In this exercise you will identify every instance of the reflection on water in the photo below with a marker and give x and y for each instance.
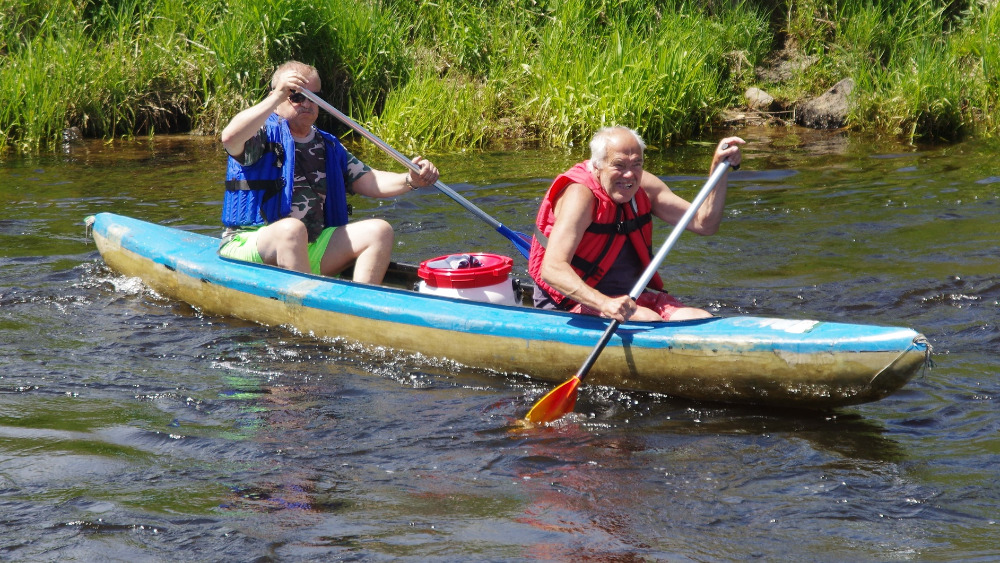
(134, 428)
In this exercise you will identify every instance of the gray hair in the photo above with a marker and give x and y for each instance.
(300, 67)
(603, 137)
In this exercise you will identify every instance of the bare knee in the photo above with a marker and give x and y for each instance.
(283, 243)
(381, 233)
(373, 260)
(289, 231)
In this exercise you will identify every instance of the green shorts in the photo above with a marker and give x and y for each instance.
(243, 246)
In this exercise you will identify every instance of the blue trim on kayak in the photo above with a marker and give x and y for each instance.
(195, 255)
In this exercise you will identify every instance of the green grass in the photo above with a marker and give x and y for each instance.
(447, 114)
(453, 74)
(918, 65)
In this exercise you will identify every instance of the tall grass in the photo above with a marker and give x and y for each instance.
(470, 56)
(989, 47)
(586, 63)
(922, 96)
(99, 77)
(915, 63)
(37, 102)
(231, 47)
(360, 49)
(445, 113)
(665, 72)
(912, 85)
(978, 45)
(450, 74)
(656, 78)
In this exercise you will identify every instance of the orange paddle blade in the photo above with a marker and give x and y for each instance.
(555, 403)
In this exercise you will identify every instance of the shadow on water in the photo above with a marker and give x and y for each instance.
(844, 432)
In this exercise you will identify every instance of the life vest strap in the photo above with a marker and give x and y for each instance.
(620, 227)
(267, 186)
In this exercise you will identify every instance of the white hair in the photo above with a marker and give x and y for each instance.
(603, 137)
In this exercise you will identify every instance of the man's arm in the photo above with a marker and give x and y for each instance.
(379, 183)
(249, 121)
(670, 207)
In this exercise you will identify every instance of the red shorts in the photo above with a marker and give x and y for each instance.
(664, 304)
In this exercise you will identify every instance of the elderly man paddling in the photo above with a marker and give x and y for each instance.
(594, 231)
(286, 185)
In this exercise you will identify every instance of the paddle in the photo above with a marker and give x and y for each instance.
(562, 399)
(520, 240)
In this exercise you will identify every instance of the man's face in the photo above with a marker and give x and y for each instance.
(622, 170)
(301, 115)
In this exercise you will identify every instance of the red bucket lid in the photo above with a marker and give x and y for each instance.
(492, 269)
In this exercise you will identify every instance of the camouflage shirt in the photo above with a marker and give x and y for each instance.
(309, 187)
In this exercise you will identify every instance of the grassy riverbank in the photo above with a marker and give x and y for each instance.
(458, 74)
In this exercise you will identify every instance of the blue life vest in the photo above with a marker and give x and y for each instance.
(261, 193)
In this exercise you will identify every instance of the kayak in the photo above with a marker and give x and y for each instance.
(792, 363)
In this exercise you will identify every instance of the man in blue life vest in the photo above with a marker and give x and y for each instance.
(593, 236)
(287, 183)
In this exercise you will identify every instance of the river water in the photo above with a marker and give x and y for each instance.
(134, 428)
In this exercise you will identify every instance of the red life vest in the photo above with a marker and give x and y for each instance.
(611, 226)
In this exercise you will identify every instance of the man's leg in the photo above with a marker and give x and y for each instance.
(284, 243)
(669, 308)
(367, 243)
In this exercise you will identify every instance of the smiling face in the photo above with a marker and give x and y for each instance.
(621, 169)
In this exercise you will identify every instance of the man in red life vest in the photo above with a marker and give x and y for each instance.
(593, 236)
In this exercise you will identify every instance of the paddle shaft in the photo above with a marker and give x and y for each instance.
(650, 270)
(520, 240)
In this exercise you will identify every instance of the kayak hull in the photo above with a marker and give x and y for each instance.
(747, 360)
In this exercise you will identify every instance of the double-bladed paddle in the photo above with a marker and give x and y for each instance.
(520, 240)
(562, 399)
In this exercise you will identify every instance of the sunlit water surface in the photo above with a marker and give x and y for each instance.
(134, 428)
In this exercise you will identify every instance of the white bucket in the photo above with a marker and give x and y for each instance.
(477, 277)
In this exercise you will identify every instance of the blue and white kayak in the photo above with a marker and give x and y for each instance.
(793, 363)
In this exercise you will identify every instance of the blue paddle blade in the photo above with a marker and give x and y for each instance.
(521, 241)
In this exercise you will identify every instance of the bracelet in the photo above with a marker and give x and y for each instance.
(408, 183)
